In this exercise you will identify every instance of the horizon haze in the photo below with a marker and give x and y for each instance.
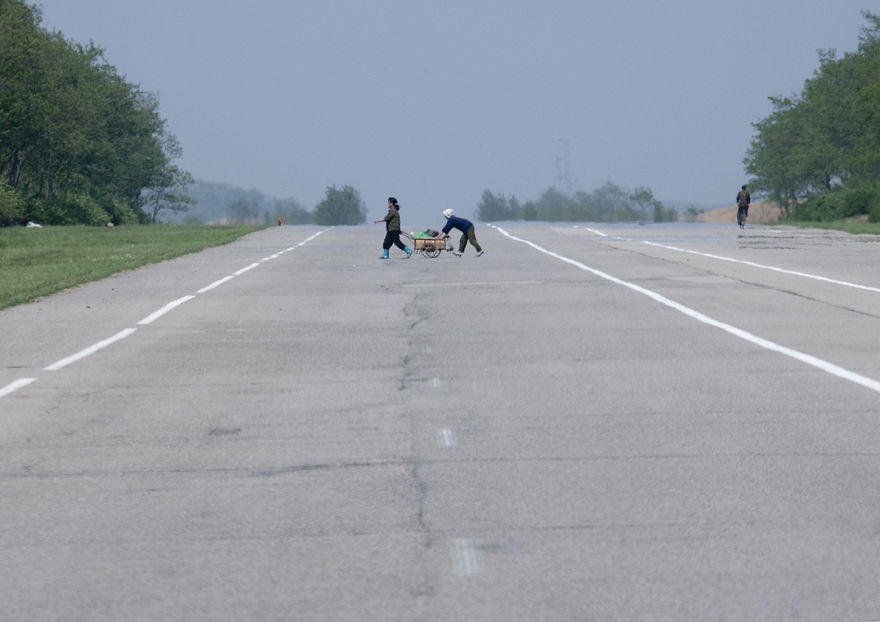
(435, 104)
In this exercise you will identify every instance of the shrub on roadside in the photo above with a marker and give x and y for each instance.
(11, 208)
(841, 203)
(70, 209)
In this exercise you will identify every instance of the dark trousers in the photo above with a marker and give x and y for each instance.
(393, 237)
(469, 236)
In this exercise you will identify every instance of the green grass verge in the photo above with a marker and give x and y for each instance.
(38, 262)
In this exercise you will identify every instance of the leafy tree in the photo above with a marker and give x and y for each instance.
(212, 201)
(692, 213)
(341, 206)
(644, 200)
(77, 142)
(497, 207)
(11, 211)
(554, 205)
(243, 211)
(608, 203)
(291, 210)
(825, 141)
(167, 189)
(615, 204)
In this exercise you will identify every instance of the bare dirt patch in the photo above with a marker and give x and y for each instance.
(759, 213)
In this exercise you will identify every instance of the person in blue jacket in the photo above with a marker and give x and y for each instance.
(467, 232)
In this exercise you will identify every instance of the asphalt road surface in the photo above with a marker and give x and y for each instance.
(676, 422)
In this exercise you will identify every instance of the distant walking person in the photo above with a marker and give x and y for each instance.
(392, 229)
(467, 232)
(743, 198)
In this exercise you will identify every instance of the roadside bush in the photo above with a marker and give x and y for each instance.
(872, 202)
(11, 210)
(69, 210)
(841, 203)
(874, 210)
(121, 213)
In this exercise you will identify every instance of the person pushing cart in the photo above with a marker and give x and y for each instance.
(467, 232)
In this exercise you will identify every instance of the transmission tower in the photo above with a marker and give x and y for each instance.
(562, 181)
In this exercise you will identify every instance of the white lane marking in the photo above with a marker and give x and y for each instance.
(763, 267)
(155, 315)
(14, 386)
(809, 359)
(220, 282)
(90, 350)
(245, 269)
(147, 320)
(597, 232)
(464, 558)
(312, 237)
(446, 438)
(217, 283)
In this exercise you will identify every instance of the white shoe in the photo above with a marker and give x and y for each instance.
(480, 254)
(456, 253)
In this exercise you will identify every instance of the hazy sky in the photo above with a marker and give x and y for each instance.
(434, 101)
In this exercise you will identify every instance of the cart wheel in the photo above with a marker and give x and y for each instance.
(432, 254)
(407, 240)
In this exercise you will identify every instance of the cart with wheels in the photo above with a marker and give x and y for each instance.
(430, 247)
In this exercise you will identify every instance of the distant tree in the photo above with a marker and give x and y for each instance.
(167, 189)
(291, 210)
(644, 200)
(497, 207)
(341, 206)
(608, 203)
(615, 204)
(586, 207)
(213, 200)
(243, 211)
(554, 205)
(692, 214)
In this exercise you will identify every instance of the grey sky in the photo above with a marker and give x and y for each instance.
(434, 101)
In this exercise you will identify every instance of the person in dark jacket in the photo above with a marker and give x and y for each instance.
(392, 229)
(743, 198)
(467, 232)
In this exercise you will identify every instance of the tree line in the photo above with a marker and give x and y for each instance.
(817, 155)
(78, 144)
(608, 203)
(224, 203)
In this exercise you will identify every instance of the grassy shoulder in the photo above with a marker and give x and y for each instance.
(36, 262)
